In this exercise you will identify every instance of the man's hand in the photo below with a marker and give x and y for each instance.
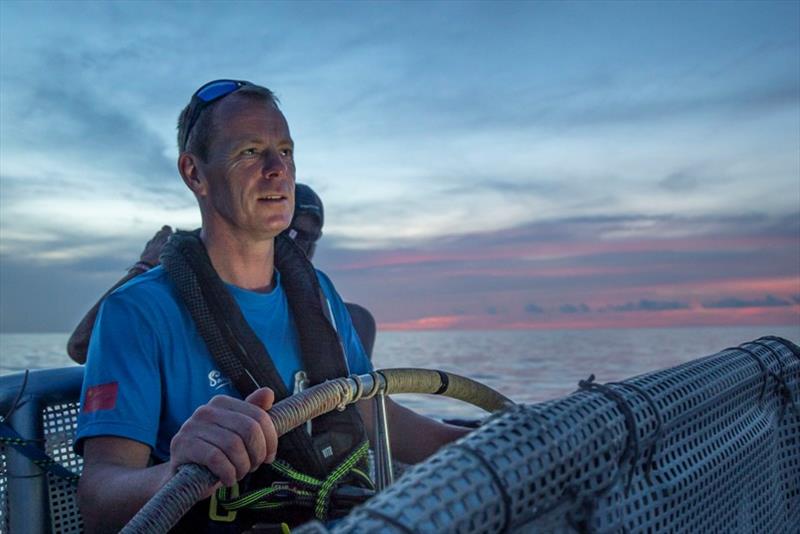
(229, 436)
(152, 250)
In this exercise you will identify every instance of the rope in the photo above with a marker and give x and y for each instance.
(764, 371)
(324, 495)
(794, 349)
(18, 397)
(780, 385)
(659, 425)
(176, 497)
(364, 477)
(318, 492)
(578, 519)
(30, 449)
(631, 452)
(774, 353)
(783, 387)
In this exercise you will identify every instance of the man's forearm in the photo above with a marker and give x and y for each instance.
(110, 495)
(413, 437)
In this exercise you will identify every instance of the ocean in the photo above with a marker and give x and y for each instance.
(526, 365)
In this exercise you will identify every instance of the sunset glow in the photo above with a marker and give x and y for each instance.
(511, 165)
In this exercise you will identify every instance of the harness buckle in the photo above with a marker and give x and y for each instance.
(214, 511)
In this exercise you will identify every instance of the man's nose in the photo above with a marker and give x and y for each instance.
(274, 164)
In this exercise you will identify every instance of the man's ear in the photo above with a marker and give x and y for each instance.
(188, 167)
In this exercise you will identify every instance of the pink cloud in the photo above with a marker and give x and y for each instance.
(564, 250)
(584, 274)
(640, 319)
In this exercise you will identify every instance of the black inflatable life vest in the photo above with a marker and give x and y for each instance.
(228, 337)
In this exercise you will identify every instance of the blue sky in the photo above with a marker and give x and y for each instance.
(454, 145)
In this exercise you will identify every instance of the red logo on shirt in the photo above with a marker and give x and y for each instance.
(102, 397)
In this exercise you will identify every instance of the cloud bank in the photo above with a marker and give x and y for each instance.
(576, 166)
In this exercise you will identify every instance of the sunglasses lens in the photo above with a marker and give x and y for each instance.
(205, 96)
(217, 89)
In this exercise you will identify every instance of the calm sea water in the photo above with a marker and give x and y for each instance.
(527, 366)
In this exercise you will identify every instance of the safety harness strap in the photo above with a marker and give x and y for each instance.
(32, 450)
(231, 342)
(242, 356)
(309, 490)
(229, 338)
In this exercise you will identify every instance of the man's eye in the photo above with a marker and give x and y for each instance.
(249, 152)
(287, 152)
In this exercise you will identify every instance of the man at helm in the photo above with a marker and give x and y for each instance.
(154, 396)
(305, 229)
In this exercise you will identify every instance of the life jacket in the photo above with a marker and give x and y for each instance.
(303, 460)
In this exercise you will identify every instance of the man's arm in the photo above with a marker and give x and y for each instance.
(229, 436)
(413, 437)
(78, 344)
(116, 481)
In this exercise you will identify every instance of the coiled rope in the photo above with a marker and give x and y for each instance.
(192, 481)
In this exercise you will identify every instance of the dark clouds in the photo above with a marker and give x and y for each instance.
(80, 122)
(622, 157)
(572, 308)
(769, 301)
(572, 276)
(575, 267)
(651, 305)
(533, 308)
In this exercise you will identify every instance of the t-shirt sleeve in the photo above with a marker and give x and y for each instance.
(121, 393)
(357, 360)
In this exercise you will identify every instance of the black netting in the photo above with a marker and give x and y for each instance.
(709, 446)
(3, 491)
(59, 430)
(58, 426)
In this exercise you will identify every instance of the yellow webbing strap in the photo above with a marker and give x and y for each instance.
(323, 496)
(260, 499)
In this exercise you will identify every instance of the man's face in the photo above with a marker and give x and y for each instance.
(250, 172)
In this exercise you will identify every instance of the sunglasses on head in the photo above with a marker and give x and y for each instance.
(205, 96)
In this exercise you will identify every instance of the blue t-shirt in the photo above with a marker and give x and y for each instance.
(148, 369)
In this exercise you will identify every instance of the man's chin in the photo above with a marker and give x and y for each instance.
(271, 231)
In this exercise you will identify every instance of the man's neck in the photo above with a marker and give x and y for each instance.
(243, 262)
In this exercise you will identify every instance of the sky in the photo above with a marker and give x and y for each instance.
(483, 165)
